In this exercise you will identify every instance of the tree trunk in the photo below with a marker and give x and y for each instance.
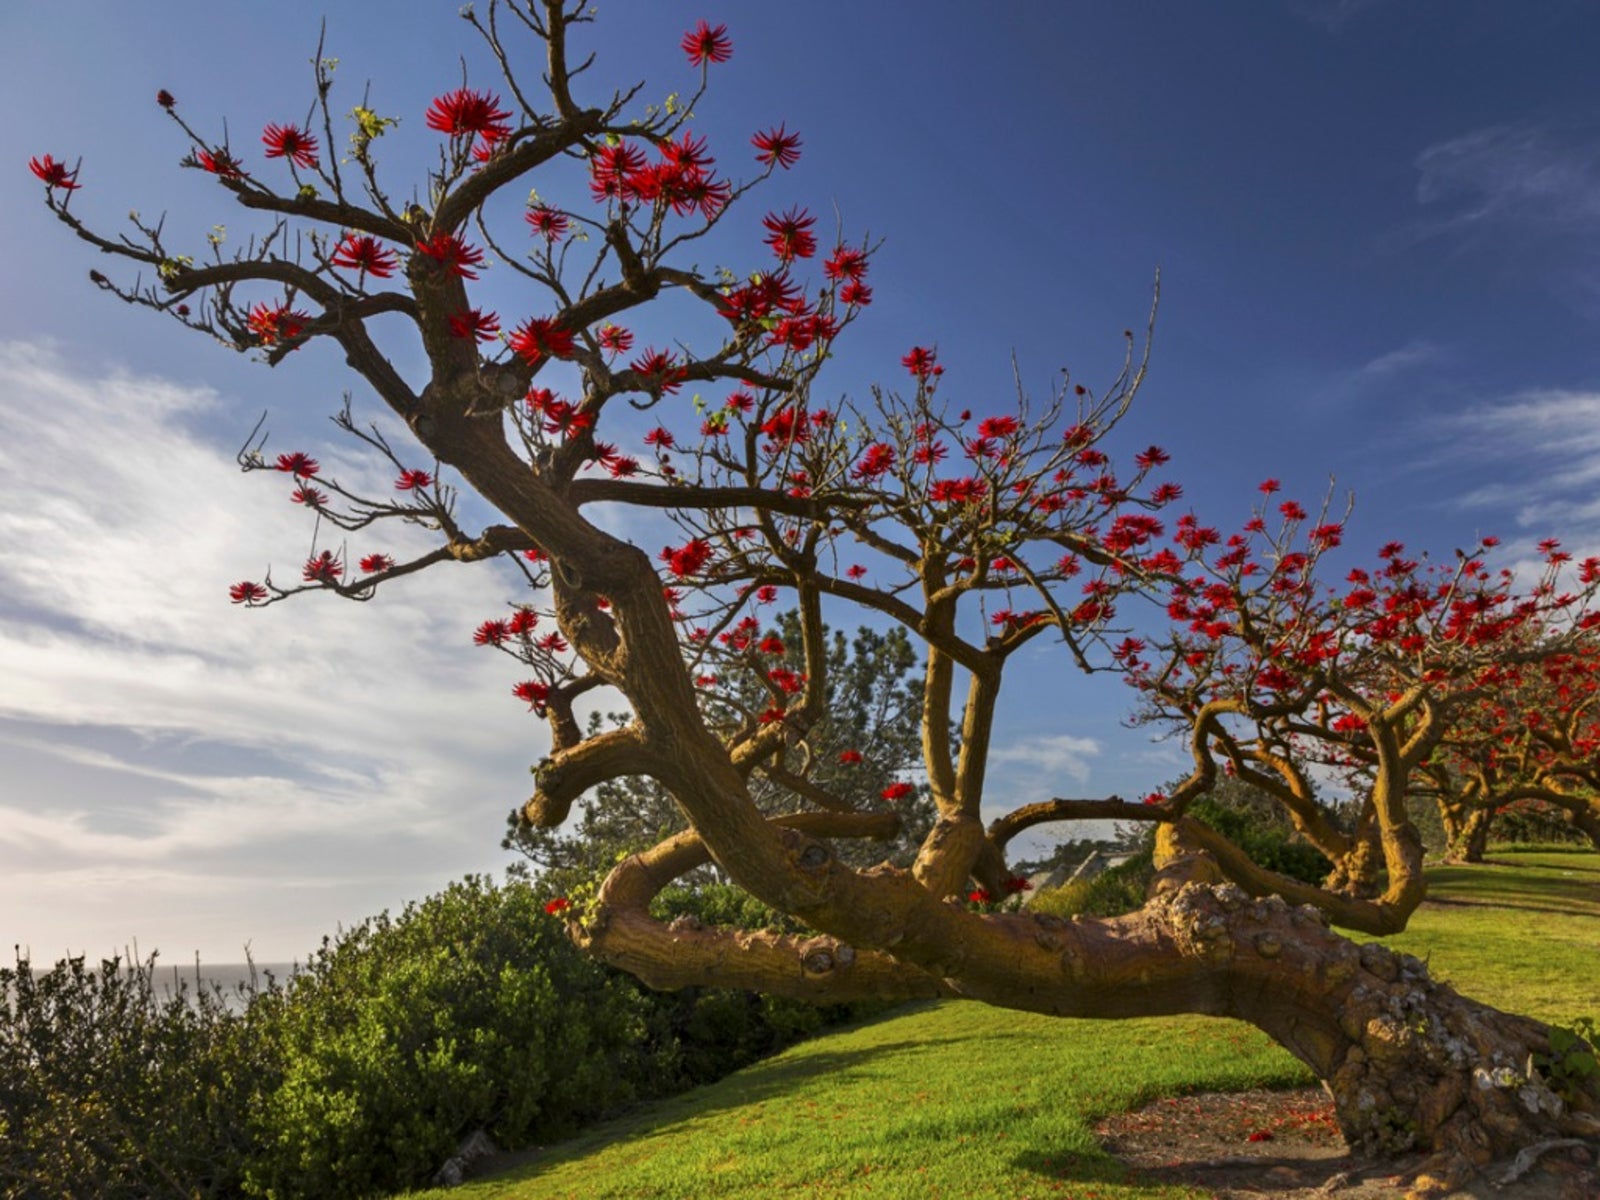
(1469, 837)
(1358, 872)
(1411, 1064)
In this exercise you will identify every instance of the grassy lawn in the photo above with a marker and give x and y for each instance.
(960, 1100)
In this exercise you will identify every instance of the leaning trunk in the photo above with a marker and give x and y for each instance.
(1411, 1064)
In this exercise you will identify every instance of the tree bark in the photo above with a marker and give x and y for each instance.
(1472, 838)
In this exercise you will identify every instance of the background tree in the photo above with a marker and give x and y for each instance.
(976, 535)
(874, 701)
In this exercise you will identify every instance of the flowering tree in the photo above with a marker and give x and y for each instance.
(1534, 738)
(1274, 675)
(978, 535)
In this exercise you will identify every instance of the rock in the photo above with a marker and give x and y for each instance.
(474, 1148)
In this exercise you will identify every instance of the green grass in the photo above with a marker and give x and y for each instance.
(960, 1100)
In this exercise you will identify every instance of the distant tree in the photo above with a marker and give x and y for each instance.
(869, 737)
(977, 535)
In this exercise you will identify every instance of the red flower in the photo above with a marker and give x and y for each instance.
(491, 633)
(705, 44)
(276, 323)
(856, 571)
(658, 369)
(1267, 486)
(298, 464)
(614, 339)
(1016, 883)
(218, 162)
(365, 253)
(997, 427)
(247, 593)
(373, 563)
(475, 324)
(979, 896)
(846, 262)
(856, 292)
(689, 559)
(876, 461)
(288, 141)
(165, 98)
(1154, 798)
(538, 338)
(1155, 456)
(849, 756)
(322, 568)
(790, 235)
(53, 173)
(777, 146)
(453, 254)
(550, 222)
(411, 481)
(921, 362)
(559, 905)
(897, 791)
(309, 496)
(536, 694)
(463, 113)
(771, 644)
(616, 171)
(660, 437)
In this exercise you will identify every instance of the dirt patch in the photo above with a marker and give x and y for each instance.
(1245, 1145)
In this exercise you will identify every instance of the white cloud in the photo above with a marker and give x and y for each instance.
(1538, 453)
(1523, 174)
(1418, 352)
(1061, 756)
(365, 752)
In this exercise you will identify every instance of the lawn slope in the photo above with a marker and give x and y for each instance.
(961, 1100)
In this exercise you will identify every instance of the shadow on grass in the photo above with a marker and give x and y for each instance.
(1070, 1165)
(773, 1079)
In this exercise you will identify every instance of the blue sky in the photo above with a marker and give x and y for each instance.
(1377, 224)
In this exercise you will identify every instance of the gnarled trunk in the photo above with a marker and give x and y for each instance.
(1411, 1064)
(1358, 872)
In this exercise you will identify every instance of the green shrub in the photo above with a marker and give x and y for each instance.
(1270, 844)
(112, 1086)
(470, 1010)
(1121, 889)
(698, 1035)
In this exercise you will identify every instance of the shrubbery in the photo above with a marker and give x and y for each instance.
(470, 1010)
(1115, 891)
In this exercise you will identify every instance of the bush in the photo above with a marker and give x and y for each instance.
(112, 1087)
(698, 1034)
(1270, 844)
(1121, 889)
(1535, 822)
(470, 1010)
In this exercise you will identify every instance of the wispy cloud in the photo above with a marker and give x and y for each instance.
(1538, 455)
(1523, 175)
(166, 734)
(1418, 352)
(1059, 757)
